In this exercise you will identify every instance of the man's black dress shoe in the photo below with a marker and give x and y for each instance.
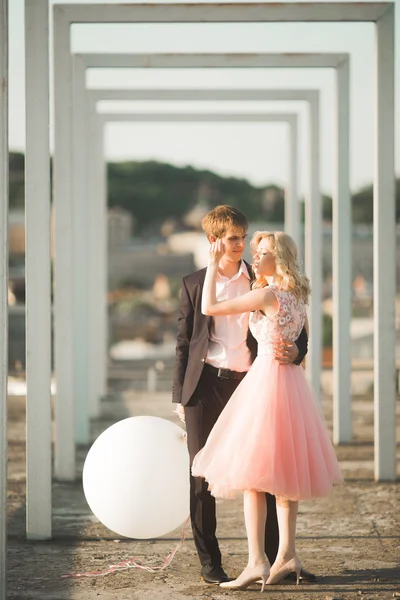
(304, 576)
(213, 575)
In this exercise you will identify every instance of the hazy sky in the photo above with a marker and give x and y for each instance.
(256, 152)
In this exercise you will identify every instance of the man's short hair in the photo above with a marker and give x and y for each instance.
(221, 218)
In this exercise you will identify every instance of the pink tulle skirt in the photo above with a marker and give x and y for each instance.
(271, 437)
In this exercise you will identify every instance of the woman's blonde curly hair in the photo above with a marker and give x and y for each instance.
(288, 275)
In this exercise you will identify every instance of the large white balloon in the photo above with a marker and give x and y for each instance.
(136, 477)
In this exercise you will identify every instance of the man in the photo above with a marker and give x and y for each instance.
(212, 356)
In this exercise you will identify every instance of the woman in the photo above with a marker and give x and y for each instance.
(271, 436)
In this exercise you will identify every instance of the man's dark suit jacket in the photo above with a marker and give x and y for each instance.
(194, 331)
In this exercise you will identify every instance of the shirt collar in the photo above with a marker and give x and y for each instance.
(243, 269)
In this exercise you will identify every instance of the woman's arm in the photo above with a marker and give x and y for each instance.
(254, 300)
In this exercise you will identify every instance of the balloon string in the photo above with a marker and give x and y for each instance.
(132, 563)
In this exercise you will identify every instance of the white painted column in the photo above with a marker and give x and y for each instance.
(81, 254)
(63, 264)
(38, 269)
(313, 252)
(102, 268)
(97, 277)
(93, 276)
(342, 262)
(3, 290)
(292, 212)
(384, 253)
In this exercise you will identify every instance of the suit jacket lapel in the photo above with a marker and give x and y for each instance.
(249, 270)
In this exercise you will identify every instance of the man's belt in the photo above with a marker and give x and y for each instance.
(226, 373)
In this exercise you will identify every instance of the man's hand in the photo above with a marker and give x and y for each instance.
(180, 411)
(286, 352)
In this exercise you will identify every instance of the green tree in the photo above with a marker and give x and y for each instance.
(362, 204)
(153, 191)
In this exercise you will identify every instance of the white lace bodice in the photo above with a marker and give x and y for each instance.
(286, 324)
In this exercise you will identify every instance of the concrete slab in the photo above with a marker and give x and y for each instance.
(351, 540)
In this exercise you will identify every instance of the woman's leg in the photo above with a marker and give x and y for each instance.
(287, 518)
(286, 561)
(255, 515)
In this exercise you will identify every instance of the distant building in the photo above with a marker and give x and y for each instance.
(271, 195)
(195, 215)
(139, 263)
(120, 228)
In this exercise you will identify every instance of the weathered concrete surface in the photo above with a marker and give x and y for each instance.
(351, 540)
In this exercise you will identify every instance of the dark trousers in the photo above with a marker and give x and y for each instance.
(203, 410)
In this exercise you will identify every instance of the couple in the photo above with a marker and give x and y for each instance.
(270, 438)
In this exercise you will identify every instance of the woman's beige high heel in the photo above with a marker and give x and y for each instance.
(249, 575)
(292, 566)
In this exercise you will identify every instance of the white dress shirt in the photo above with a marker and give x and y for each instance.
(228, 348)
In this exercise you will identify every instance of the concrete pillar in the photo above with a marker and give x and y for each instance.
(3, 289)
(98, 279)
(341, 261)
(313, 251)
(38, 269)
(292, 211)
(81, 257)
(384, 253)
(63, 264)
(102, 268)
